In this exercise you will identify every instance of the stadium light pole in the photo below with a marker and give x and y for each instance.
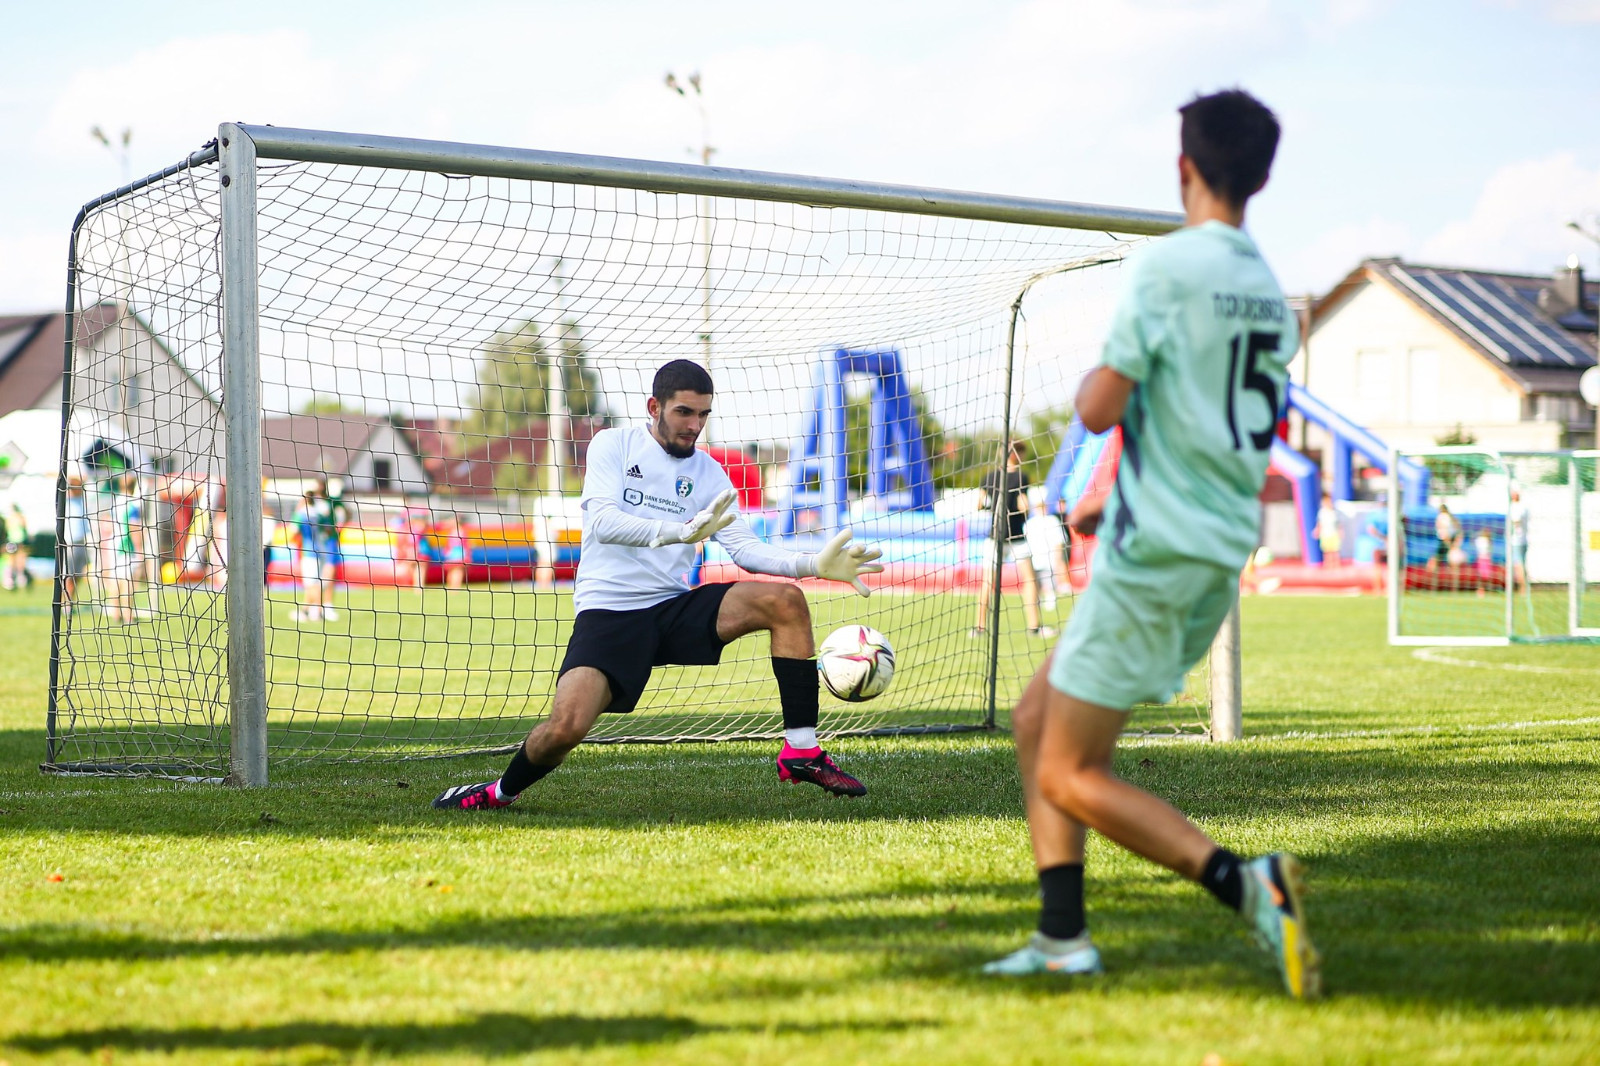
(706, 150)
(119, 149)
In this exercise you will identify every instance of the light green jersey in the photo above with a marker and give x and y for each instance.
(126, 516)
(1204, 331)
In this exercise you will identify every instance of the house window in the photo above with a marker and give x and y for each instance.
(1374, 384)
(382, 474)
(1546, 408)
(1423, 386)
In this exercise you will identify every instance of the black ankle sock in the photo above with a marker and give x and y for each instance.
(797, 691)
(1061, 901)
(1223, 877)
(520, 774)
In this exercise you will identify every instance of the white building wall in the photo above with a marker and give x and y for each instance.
(406, 474)
(1382, 362)
(126, 378)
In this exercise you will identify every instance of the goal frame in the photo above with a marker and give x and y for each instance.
(1396, 565)
(238, 151)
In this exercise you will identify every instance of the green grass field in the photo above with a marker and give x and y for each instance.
(673, 904)
(446, 672)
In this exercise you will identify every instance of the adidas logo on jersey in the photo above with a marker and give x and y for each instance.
(633, 471)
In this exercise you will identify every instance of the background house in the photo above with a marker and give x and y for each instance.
(465, 464)
(1420, 354)
(367, 452)
(131, 394)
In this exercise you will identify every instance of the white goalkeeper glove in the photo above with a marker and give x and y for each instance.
(839, 560)
(702, 526)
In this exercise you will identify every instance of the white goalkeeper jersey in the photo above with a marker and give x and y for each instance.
(631, 488)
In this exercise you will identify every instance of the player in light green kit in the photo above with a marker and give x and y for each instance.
(1193, 371)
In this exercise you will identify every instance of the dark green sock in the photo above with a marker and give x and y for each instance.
(1223, 877)
(1061, 901)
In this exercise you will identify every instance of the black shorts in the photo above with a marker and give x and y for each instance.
(626, 645)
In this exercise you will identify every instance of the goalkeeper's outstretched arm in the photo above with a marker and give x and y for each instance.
(839, 560)
(611, 525)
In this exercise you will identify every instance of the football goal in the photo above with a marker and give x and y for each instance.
(329, 398)
(1495, 547)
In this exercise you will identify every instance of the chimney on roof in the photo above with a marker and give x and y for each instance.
(1564, 294)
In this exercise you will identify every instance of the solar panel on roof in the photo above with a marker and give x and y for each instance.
(1542, 343)
(1503, 318)
(1460, 311)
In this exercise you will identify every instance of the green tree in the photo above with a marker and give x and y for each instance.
(976, 454)
(328, 406)
(581, 382)
(511, 385)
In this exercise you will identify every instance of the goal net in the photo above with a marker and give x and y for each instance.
(330, 399)
(1495, 547)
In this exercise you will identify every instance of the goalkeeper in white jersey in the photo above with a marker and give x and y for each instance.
(649, 498)
(1193, 371)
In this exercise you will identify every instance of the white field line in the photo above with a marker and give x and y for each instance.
(1443, 658)
(1424, 730)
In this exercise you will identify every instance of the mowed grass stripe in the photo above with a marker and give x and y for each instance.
(675, 904)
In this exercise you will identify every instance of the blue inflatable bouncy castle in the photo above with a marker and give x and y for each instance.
(895, 451)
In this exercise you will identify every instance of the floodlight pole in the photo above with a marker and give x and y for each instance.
(706, 151)
(241, 414)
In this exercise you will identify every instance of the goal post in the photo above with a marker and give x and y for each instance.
(1494, 547)
(329, 396)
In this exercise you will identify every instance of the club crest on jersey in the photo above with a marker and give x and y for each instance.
(684, 486)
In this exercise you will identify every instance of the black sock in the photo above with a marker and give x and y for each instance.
(797, 691)
(520, 774)
(1061, 901)
(1223, 877)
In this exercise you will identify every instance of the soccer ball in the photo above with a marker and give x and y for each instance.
(856, 663)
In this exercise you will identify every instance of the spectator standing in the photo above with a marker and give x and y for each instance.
(1378, 529)
(453, 552)
(1483, 564)
(1329, 536)
(75, 549)
(16, 549)
(1447, 550)
(126, 549)
(1518, 559)
(1007, 494)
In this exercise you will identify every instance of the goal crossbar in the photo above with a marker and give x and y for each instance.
(238, 153)
(404, 153)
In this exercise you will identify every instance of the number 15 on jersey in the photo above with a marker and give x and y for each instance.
(1248, 348)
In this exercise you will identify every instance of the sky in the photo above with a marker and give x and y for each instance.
(1463, 133)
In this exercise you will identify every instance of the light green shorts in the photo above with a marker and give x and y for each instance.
(1137, 630)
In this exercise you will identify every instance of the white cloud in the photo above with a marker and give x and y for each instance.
(1519, 220)
(1570, 11)
(1560, 11)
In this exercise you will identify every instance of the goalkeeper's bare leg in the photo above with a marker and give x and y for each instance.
(583, 693)
(781, 609)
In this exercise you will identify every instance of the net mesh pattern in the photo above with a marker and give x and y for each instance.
(1502, 546)
(438, 350)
